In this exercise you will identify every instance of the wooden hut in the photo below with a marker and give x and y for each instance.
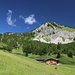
(52, 61)
(40, 59)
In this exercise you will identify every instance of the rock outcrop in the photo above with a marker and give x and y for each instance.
(52, 32)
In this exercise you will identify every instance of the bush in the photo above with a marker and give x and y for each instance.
(7, 48)
(70, 54)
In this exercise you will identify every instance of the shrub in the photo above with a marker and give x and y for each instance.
(70, 54)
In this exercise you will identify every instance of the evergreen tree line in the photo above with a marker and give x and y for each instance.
(39, 48)
(35, 47)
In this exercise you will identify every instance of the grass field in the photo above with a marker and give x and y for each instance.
(11, 64)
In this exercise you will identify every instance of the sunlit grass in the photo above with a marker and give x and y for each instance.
(67, 28)
(11, 64)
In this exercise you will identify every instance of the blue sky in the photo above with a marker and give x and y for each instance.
(26, 15)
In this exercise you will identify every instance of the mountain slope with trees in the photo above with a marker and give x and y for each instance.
(30, 46)
(36, 47)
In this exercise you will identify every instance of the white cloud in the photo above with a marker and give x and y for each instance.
(9, 19)
(29, 20)
(9, 12)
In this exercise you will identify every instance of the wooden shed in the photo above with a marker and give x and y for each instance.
(40, 59)
(52, 61)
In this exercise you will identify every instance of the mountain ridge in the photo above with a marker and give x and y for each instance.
(49, 32)
(52, 32)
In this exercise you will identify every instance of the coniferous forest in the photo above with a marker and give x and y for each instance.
(15, 40)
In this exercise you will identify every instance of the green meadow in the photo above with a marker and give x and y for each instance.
(12, 64)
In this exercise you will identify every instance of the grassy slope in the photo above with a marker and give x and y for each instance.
(66, 28)
(11, 64)
(66, 60)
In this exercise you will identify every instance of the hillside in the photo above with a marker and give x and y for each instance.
(15, 46)
(11, 64)
(52, 32)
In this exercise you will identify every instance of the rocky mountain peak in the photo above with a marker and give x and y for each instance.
(52, 32)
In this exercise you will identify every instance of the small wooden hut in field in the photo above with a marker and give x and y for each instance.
(52, 61)
(40, 59)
